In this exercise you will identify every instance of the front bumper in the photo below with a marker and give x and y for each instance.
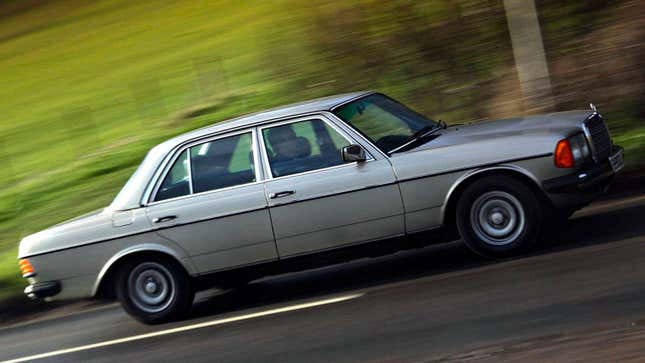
(574, 191)
(591, 180)
(43, 290)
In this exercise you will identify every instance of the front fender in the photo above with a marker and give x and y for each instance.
(466, 178)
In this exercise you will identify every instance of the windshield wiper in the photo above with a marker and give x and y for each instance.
(420, 134)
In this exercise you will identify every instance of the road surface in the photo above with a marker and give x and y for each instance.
(579, 299)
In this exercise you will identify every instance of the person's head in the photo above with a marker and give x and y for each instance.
(283, 141)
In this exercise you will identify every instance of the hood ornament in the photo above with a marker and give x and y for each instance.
(593, 107)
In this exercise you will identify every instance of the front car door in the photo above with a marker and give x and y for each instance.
(316, 200)
(212, 203)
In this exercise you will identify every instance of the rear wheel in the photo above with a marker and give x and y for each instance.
(154, 290)
(499, 216)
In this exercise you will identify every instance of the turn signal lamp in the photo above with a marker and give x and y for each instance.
(564, 155)
(26, 268)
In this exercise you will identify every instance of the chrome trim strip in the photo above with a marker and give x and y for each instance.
(496, 163)
(585, 130)
(190, 170)
(333, 194)
(149, 230)
(187, 196)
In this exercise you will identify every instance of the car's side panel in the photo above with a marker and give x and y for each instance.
(219, 229)
(334, 206)
(337, 206)
(426, 197)
(85, 230)
(80, 269)
(423, 199)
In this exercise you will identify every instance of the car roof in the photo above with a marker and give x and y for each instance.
(314, 105)
(130, 195)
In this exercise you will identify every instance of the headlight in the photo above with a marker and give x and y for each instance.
(579, 148)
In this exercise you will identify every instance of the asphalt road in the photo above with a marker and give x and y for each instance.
(581, 298)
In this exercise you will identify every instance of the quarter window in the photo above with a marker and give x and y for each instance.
(177, 181)
(302, 146)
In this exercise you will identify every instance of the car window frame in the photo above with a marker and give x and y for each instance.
(268, 174)
(150, 199)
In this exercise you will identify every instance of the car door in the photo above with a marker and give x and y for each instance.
(316, 200)
(212, 203)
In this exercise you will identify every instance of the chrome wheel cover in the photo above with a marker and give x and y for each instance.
(497, 218)
(151, 287)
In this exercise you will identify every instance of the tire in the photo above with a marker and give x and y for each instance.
(154, 290)
(499, 216)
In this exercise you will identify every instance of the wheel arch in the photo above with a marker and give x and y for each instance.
(513, 171)
(105, 279)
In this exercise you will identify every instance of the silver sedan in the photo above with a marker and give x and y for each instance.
(315, 183)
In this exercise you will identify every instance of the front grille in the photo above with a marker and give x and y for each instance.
(598, 136)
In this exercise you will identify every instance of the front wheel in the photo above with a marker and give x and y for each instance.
(154, 290)
(499, 216)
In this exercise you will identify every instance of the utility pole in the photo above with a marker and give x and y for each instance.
(528, 50)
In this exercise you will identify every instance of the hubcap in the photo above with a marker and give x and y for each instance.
(151, 287)
(497, 218)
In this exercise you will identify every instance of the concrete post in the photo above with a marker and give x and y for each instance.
(528, 50)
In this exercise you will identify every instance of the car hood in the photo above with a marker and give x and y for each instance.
(463, 147)
(558, 124)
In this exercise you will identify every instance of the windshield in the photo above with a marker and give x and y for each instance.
(384, 121)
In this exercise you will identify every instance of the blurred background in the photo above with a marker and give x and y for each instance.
(86, 88)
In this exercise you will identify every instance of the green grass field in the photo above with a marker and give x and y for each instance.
(86, 88)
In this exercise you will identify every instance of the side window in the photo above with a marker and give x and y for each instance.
(302, 146)
(177, 181)
(222, 163)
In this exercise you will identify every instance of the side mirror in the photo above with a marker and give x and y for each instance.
(352, 153)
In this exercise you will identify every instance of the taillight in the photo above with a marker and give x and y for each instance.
(564, 155)
(26, 268)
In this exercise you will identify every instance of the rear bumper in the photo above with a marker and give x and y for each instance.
(43, 290)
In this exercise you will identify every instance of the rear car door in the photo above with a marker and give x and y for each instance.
(316, 200)
(212, 203)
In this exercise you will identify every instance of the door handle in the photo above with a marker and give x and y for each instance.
(163, 219)
(281, 194)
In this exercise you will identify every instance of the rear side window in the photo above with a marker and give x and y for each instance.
(221, 163)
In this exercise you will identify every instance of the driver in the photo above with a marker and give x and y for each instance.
(284, 143)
